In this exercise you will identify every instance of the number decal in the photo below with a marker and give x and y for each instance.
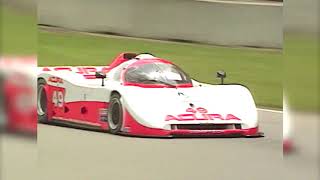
(58, 98)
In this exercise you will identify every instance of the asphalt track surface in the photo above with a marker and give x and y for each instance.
(304, 161)
(74, 154)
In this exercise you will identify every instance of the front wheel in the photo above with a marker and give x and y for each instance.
(115, 114)
(42, 110)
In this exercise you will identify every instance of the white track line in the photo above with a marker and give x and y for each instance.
(270, 110)
(265, 3)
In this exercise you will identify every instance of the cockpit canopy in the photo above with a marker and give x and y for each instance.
(153, 72)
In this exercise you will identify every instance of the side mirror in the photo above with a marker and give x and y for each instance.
(221, 75)
(102, 76)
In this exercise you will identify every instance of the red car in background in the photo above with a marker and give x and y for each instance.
(18, 94)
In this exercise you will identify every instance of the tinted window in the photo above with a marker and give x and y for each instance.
(156, 73)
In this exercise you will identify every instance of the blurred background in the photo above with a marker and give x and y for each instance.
(18, 48)
(269, 45)
(301, 62)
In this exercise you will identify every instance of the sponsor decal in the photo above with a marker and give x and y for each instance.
(87, 72)
(200, 114)
(58, 98)
(80, 70)
(55, 79)
(103, 114)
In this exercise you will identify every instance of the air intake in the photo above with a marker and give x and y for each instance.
(205, 126)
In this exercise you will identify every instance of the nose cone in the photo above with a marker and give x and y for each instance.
(150, 106)
(160, 107)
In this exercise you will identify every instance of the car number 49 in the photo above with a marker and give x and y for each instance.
(58, 98)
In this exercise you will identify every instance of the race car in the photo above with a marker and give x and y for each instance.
(144, 95)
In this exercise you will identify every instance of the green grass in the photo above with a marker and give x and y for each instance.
(302, 71)
(18, 32)
(260, 70)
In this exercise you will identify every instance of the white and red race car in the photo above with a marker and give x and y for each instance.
(143, 95)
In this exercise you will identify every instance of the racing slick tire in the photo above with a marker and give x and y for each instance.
(42, 103)
(115, 114)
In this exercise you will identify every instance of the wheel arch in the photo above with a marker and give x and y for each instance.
(115, 92)
(41, 78)
(45, 88)
(46, 117)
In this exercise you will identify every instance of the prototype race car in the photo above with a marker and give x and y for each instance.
(143, 95)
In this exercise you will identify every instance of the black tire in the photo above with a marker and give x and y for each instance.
(42, 103)
(115, 114)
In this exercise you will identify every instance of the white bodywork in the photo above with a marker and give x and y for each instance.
(151, 106)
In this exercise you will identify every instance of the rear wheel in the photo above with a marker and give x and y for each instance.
(115, 114)
(42, 103)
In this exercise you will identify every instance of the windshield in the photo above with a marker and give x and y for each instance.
(157, 73)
